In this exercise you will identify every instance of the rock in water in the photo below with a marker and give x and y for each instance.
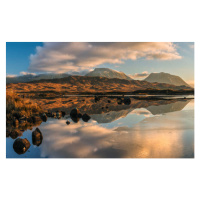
(75, 119)
(36, 119)
(67, 122)
(75, 113)
(21, 145)
(44, 117)
(15, 133)
(37, 137)
(63, 113)
(58, 114)
(86, 117)
(127, 101)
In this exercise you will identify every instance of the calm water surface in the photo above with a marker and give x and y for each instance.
(153, 131)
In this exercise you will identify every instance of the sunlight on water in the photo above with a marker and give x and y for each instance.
(155, 131)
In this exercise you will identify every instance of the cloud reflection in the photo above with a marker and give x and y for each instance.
(165, 136)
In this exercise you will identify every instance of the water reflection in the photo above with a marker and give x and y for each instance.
(145, 129)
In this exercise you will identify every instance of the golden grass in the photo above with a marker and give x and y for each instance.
(19, 107)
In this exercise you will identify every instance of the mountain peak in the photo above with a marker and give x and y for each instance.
(163, 77)
(108, 73)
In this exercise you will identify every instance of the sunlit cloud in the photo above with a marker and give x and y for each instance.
(27, 73)
(75, 56)
(11, 75)
(139, 75)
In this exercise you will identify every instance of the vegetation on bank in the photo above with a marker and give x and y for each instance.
(19, 109)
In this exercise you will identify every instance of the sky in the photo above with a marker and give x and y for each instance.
(136, 59)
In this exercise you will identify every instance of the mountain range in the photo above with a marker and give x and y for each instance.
(106, 73)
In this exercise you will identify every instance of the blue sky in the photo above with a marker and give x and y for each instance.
(23, 57)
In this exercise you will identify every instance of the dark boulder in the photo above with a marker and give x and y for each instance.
(75, 119)
(44, 117)
(20, 146)
(58, 114)
(109, 101)
(15, 134)
(36, 119)
(54, 114)
(37, 137)
(63, 113)
(86, 117)
(127, 101)
(67, 122)
(79, 115)
(75, 113)
(49, 114)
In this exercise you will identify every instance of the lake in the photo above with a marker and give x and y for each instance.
(144, 129)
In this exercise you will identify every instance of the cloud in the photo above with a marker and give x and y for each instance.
(27, 73)
(139, 76)
(11, 75)
(78, 56)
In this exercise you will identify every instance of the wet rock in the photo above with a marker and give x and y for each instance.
(49, 114)
(36, 119)
(75, 119)
(79, 115)
(44, 117)
(86, 117)
(20, 146)
(53, 114)
(15, 134)
(63, 113)
(75, 113)
(67, 122)
(127, 101)
(37, 137)
(58, 114)
(109, 101)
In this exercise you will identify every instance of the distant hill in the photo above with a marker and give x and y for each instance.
(28, 78)
(108, 73)
(91, 85)
(166, 78)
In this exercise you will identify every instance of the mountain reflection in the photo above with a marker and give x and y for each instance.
(143, 129)
(144, 140)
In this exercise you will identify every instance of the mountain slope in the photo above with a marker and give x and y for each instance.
(108, 73)
(82, 84)
(28, 78)
(166, 78)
